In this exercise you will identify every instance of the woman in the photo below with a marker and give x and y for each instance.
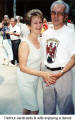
(30, 57)
(6, 41)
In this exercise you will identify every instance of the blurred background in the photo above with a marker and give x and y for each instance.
(20, 7)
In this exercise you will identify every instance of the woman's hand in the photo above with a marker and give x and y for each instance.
(49, 78)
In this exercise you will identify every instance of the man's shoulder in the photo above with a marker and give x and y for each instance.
(68, 29)
(16, 26)
(69, 33)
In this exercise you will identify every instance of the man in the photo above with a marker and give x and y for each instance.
(15, 38)
(59, 49)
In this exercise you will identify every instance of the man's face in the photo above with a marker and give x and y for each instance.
(58, 16)
(12, 22)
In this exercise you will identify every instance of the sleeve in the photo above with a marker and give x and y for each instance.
(73, 43)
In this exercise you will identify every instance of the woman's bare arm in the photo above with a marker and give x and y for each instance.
(23, 58)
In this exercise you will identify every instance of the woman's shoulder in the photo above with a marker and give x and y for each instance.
(23, 44)
(24, 38)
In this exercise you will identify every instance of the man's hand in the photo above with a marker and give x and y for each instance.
(52, 77)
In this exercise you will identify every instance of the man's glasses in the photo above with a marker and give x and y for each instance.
(57, 13)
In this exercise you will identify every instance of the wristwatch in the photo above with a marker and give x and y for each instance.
(62, 71)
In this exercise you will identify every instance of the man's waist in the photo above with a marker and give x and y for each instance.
(54, 69)
(15, 39)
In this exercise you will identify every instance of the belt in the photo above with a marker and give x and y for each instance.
(54, 69)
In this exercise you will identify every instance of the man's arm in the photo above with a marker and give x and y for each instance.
(67, 67)
(13, 33)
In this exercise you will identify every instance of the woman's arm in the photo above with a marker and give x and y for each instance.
(23, 58)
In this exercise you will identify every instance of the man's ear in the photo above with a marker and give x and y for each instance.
(65, 18)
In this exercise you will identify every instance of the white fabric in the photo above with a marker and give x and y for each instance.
(3, 54)
(71, 25)
(24, 29)
(15, 29)
(65, 38)
(28, 83)
(8, 47)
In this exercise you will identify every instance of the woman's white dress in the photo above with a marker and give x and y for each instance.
(28, 83)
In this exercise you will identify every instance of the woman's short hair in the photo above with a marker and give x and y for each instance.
(32, 13)
(63, 3)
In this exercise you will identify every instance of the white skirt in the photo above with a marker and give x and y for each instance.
(28, 89)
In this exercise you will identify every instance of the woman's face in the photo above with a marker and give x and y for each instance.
(36, 24)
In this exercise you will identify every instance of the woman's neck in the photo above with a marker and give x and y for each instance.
(33, 37)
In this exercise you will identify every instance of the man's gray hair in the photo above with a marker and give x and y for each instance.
(63, 3)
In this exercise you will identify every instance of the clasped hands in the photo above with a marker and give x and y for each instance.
(50, 78)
